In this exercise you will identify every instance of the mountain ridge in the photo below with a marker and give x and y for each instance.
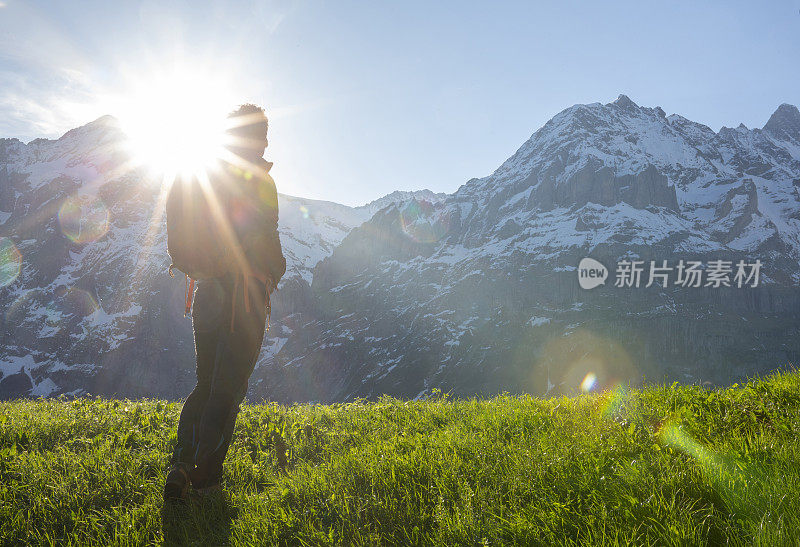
(474, 292)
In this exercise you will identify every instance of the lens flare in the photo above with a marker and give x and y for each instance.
(615, 401)
(10, 262)
(589, 381)
(574, 362)
(417, 222)
(83, 218)
(739, 483)
(78, 302)
(304, 211)
(18, 311)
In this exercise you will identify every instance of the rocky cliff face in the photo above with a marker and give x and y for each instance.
(75, 319)
(475, 292)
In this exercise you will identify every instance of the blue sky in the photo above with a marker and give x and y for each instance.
(369, 97)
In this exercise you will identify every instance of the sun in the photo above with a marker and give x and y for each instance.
(175, 120)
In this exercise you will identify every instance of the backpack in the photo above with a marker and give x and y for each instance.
(200, 239)
(195, 234)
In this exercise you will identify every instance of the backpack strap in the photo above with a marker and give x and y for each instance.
(189, 283)
(269, 310)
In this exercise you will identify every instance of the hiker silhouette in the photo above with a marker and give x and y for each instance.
(223, 231)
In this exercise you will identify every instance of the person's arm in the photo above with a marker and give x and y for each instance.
(276, 262)
(263, 247)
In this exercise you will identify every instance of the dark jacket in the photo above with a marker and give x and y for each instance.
(253, 214)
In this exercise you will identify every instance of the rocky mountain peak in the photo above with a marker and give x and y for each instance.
(104, 126)
(624, 102)
(784, 122)
(400, 196)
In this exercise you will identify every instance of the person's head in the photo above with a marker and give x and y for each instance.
(248, 131)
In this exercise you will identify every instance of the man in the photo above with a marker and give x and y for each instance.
(230, 311)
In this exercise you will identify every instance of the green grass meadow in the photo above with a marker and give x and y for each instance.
(668, 465)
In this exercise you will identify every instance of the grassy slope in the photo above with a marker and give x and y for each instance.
(666, 465)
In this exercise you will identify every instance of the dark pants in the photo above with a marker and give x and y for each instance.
(225, 359)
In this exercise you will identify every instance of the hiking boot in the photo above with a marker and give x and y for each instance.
(177, 484)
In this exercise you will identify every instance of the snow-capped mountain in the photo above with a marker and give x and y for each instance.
(311, 229)
(475, 292)
(480, 293)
